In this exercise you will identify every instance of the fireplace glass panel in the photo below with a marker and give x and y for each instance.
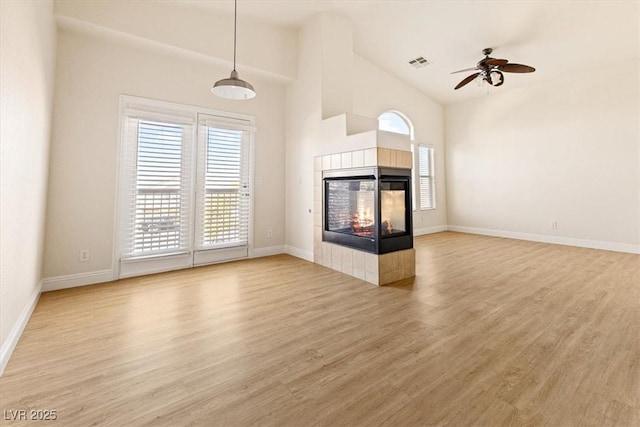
(393, 211)
(351, 207)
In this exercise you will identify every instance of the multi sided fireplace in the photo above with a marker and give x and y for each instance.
(368, 209)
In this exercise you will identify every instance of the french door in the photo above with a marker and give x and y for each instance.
(222, 191)
(185, 187)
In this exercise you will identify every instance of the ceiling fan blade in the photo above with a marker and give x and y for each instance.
(517, 68)
(466, 70)
(467, 80)
(496, 62)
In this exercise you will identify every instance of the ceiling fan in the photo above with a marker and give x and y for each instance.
(491, 70)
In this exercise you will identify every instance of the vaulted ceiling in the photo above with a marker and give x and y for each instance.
(558, 38)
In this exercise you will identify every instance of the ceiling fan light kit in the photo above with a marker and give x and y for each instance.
(234, 87)
(491, 70)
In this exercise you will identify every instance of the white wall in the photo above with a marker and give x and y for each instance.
(262, 48)
(337, 64)
(565, 151)
(92, 72)
(376, 91)
(28, 45)
(303, 115)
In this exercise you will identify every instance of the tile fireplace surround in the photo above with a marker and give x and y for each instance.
(376, 269)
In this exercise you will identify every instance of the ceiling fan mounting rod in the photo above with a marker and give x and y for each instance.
(487, 51)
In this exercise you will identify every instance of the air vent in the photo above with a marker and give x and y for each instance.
(419, 62)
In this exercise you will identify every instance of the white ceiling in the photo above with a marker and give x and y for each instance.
(558, 38)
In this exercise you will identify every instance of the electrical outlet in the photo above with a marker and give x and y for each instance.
(269, 233)
(85, 255)
(554, 225)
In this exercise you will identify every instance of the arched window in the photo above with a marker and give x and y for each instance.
(393, 121)
(422, 183)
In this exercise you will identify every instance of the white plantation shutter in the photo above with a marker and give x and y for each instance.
(223, 201)
(426, 177)
(184, 186)
(157, 195)
(414, 205)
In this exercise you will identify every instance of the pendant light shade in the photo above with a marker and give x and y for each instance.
(234, 87)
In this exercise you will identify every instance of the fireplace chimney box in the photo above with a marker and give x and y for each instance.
(368, 223)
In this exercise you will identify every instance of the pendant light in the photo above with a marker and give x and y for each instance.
(234, 87)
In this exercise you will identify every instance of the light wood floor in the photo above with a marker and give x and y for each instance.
(491, 332)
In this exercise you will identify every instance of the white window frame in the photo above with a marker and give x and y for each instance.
(417, 174)
(148, 264)
(414, 183)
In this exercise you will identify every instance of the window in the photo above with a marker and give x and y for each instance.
(157, 223)
(426, 177)
(392, 121)
(423, 173)
(155, 175)
(184, 187)
(223, 209)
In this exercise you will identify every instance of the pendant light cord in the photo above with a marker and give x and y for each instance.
(235, 26)
(233, 87)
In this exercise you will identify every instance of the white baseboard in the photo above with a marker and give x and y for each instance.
(74, 280)
(558, 240)
(16, 332)
(299, 253)
(430, 230)
(268, 251)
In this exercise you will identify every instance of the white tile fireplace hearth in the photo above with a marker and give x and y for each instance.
(377, 269)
